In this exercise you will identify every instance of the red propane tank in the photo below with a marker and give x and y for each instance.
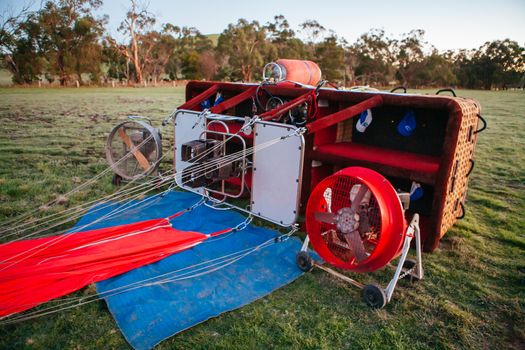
(299, 71)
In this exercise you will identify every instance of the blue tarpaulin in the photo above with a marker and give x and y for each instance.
(204, 287)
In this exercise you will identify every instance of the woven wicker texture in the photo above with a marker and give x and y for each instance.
(344, 131)
(457, 182)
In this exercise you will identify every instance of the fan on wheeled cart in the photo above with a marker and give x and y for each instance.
(133, 149)
(355, 221)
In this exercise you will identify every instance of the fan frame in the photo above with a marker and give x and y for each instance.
(393, 223)
(158, 148)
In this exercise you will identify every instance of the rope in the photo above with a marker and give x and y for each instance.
(114, 211)
(76, 189)
(85, 207)
(61, 213)
(128, 155)
(198, 170)
(79, 301)
(143, 188)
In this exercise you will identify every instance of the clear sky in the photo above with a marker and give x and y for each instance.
(448, 24)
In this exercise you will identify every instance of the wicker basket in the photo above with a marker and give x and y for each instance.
(461, 165)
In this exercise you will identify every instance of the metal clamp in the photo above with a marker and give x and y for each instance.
(200, 202)
(243, 224)
(170, 117)
(202, 115)
(173, 185)
(297, 132)
(247, 127)
(286, 236)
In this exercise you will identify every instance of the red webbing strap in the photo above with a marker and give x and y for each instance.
(221, 232)
(277, 112)
(312, 107)
(234, 101)
(195, 101)
(344, 114)
(179, 213)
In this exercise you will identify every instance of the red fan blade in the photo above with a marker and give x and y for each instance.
(361, 193)
(327, 218)
(356, 245)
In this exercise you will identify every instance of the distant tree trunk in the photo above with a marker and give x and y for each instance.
(78, 69)
(246, 72)
(11, 65)
(135, 52)
(63, 78)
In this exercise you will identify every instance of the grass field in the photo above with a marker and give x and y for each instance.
(5, 77)
(473, 295)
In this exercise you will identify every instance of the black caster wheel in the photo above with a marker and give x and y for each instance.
(410, 264)
(117, 180)
(304, 261)
(374, 296)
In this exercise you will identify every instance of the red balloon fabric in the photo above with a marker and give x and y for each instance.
(35, 271)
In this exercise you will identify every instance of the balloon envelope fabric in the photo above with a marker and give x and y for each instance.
(187, 288)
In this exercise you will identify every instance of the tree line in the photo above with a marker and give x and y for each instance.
(64, 41)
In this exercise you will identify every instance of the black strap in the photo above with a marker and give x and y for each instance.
(447, 90)
(484, 124)
(471, 167)
(401, 87)
(462, 215)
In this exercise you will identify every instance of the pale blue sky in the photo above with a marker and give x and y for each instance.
(448, 24)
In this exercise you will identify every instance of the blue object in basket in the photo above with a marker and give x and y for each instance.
(416, 191)
(205, 104)
(407, 125)
(218, 99)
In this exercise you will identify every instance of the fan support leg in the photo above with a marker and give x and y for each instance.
(116, 180)
(304, 248)
(400, 272)
(412, 231)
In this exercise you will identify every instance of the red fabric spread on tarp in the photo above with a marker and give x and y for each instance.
(38, 270)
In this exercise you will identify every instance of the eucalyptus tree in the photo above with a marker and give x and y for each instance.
(70, 38)
(243, 47)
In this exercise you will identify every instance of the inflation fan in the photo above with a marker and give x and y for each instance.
(355, 221)
(133, 149)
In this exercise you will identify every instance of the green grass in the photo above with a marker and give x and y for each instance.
(473, 294)
(5, 77)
